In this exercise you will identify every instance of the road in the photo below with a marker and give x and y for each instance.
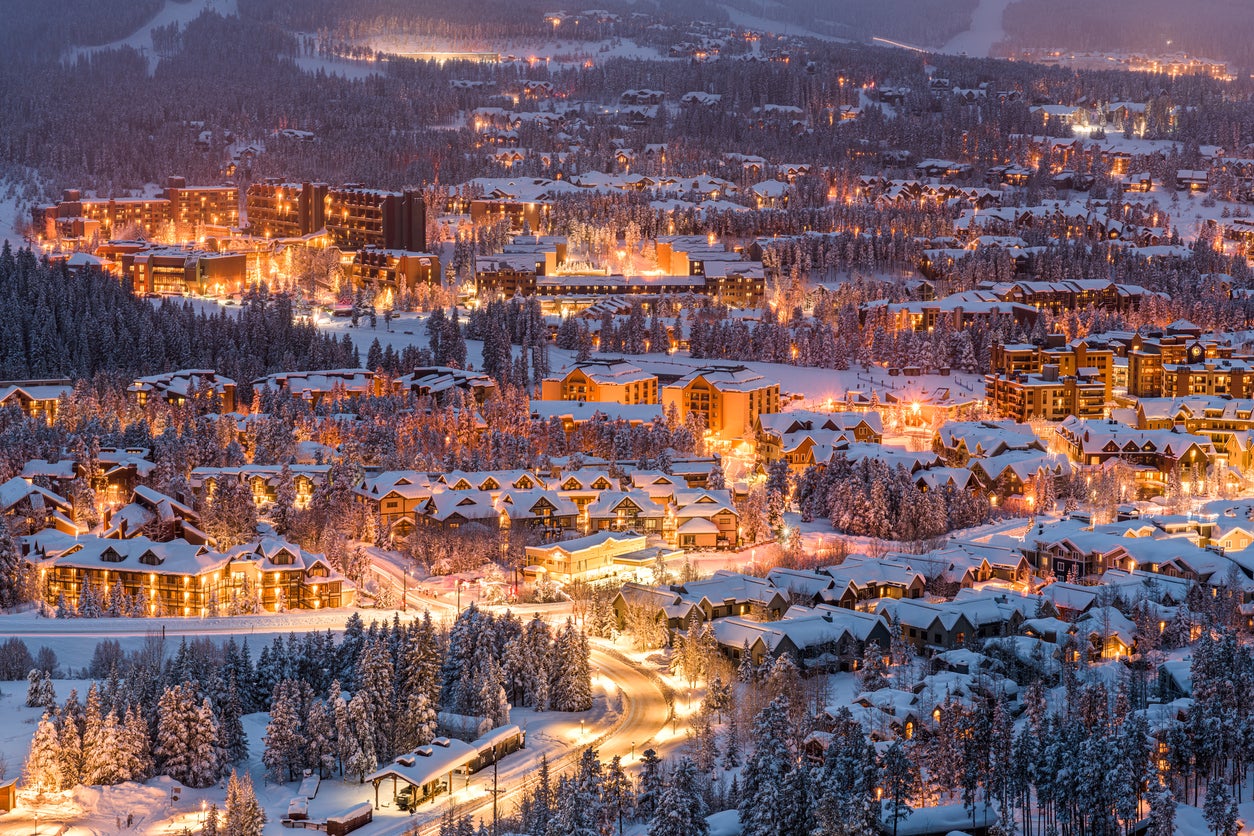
(644, 715)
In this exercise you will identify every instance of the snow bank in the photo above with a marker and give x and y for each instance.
(726, 823)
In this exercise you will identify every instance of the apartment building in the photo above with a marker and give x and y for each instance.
(1048, 396)
(179, 209)
(727, 398)
(602, 381)
(353, 216)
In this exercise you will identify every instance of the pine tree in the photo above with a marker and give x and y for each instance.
(778, 490)
(1220, 809)
(135, 752)
(415, 723)
(376, 687)
(101, 738)
(12, 582)
(359, 743)
(899, 783)
(651, 784)
(572, 683)
(1162, 810)
(187, 737)
(773, 790)
(320, 744)
(873, 675)
(681, 810)
(243, 814)
(70, 738)
(234, 741)
(43, 764)
(284, 736)
(210, 827)
(619, 795)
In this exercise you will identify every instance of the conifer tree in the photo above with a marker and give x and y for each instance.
(681, 810)
(243, 814)
(43, 763)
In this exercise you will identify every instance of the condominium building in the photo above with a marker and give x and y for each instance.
(1048, 396)
(353, 216)
(180, 209)
(727, 398)
(602, 381)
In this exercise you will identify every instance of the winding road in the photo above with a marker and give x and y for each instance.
(643, 716)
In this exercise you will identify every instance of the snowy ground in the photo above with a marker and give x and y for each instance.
(986, 31)
(181, 12)
(777, 27)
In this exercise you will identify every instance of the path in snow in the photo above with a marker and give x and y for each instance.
(986, 30)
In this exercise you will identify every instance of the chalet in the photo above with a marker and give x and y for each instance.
(625, 511)
(156, 516)
(285, 576)
(453, 509)
(929, 627)
(36, 398)
(544, 510)
(397, 497)
(188, 385)
(27, 508)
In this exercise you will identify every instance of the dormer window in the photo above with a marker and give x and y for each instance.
(111, 555)
(151, 558)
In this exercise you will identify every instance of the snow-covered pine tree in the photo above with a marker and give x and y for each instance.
(375, 686)
(43, 763)
(572, 681)
(101, 737)
(12, 584)
(211, 827)
(651, 784)
(284, 738)
(243, 814)
(773, 789)
(135, 751)
(320, 747)
(900, 778)
(70, 737)
(681, 809)
(360, 740)
(415, 722)
(187, 737)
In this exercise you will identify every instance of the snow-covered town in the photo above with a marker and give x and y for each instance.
(743, 419)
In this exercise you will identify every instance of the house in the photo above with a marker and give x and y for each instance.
(593, 557)
(285, 576)
(27, 508)
(438, 382)
(929, 627)
(544, 510)
(397, 497)
(137, 575)
(264, 481)
(625, 511)
(152, 514)
(36, 398)
(313, 386)
(184, 386)
(705, 521)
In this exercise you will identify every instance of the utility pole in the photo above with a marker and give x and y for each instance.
(495, 792)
